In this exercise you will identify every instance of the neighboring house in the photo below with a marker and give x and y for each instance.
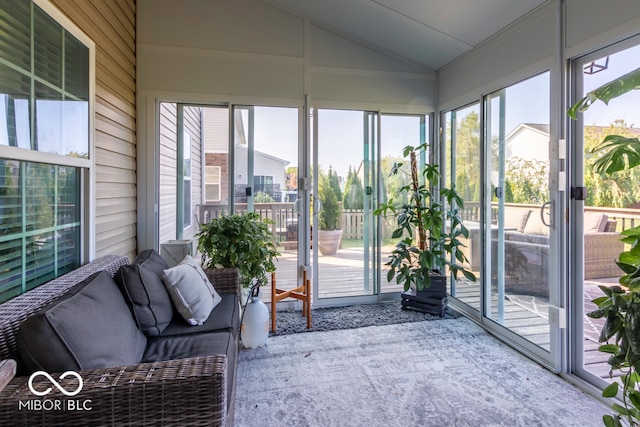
(528, 141)
(269, 174)
(531, 140)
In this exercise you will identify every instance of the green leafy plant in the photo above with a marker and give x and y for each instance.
(428, 225)
(242, 241)
(329, 214)
(616, 152)
(620, 305)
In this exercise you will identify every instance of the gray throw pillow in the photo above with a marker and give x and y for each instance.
(191, 292)
(88, 327)
(141, 284)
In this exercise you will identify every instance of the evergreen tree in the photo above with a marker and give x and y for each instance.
(353, 191)
(334, 183)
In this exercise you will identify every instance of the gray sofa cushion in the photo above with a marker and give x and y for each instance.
(196, 345)
(141, 284)
(89, 327)
(224, 317)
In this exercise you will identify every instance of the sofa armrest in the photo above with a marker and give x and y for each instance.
(225, 280)
(7, 372)
(189, 391)
(601, 250)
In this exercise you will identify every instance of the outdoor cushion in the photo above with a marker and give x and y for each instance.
(141, 284)
(191, 292)
(535, 225)
(196, 345)
(514, 236)
(88, 327)
(595, 222)
(516, 218)
(224, 317)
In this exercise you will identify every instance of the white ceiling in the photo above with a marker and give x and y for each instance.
(430, 33)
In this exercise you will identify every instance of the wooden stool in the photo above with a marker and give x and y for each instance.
(302, 293)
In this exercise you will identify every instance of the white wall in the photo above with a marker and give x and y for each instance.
(247, 48)
(248, 52)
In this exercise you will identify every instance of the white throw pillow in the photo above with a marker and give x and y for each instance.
(516, 218)
(191, 292)
(535, 225)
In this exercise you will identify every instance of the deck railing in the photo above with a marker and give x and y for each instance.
(285, 218)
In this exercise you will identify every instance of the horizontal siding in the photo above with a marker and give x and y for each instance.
(111, 25)
(216, 130)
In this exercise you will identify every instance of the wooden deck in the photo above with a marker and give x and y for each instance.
(343, 275)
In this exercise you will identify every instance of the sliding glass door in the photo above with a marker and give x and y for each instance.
(608, 205)
(344, 181)
(353, 154)
(500, 161)
(265, 180)
(397, 132)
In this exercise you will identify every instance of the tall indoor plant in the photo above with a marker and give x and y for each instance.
(239, 240)
(429, 227)
(330, 233)
(620, 305)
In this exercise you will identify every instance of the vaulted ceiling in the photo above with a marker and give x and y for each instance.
(430, 33)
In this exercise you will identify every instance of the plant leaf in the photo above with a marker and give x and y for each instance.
(607, 92)
(611, 390)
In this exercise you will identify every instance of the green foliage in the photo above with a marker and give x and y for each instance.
(262, 197)
(428, 225)
(353, 191)
(393, 183)
(608, 91)
(527, 181)
(334, 183)
(468, 157)
(619, 189)
(243, 241)
(329, 215)
(620, 307)
(616, 152)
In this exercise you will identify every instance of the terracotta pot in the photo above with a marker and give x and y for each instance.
(329, 241)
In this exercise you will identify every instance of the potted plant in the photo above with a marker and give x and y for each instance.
(330, 233)
(429, 228)
(242, 241)
(620, 305)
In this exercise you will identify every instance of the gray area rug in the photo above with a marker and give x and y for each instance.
(353, 316)
(446, 373)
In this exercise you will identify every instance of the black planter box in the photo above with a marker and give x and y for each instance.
(432, 300)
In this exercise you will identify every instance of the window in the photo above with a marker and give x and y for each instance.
(263, 184)
(186, 180)
(44, 145)
(212, 183)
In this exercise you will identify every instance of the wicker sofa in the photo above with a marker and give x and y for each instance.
(527, 250)
(185, 377)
